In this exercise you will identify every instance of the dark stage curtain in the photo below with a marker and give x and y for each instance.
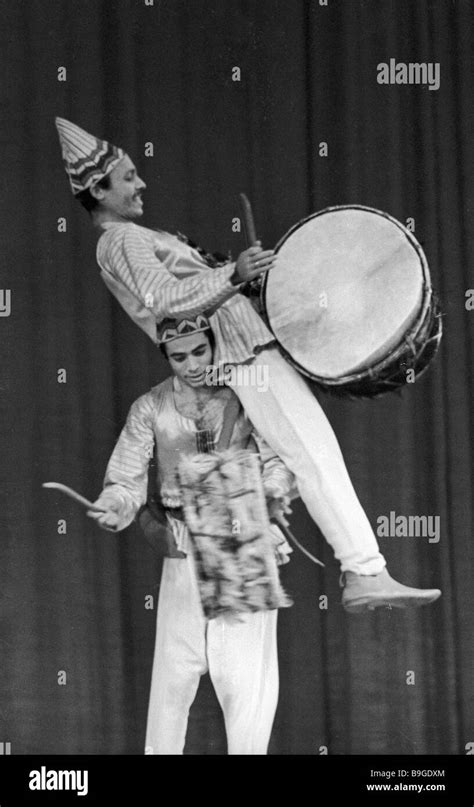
(76, 638)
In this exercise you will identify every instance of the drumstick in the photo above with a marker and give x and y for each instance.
(76, 496)
(250, 232)
(291, 538)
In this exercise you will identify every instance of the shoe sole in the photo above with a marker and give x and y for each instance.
(371, 603)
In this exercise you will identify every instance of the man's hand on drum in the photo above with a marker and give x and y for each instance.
(252, 263)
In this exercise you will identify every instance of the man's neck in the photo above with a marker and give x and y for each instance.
(196, 393)
(101, 217)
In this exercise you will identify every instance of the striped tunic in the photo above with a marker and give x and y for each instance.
(155, 275)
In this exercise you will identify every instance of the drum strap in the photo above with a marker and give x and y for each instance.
(231, 413)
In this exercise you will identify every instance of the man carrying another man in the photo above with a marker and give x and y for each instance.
(155, 275)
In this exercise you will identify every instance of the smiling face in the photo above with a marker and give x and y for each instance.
(121, 201)
(189, 356)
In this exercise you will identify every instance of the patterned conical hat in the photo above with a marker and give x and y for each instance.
(87, 159)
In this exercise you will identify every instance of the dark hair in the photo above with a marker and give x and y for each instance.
(209, 333)
(87, 200)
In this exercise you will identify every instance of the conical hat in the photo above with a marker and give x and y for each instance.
(87, 159)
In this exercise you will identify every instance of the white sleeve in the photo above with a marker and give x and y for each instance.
(126, 477)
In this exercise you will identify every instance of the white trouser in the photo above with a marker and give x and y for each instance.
(241, 657)
(292, 422)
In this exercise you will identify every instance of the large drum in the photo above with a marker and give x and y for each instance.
(350, 301)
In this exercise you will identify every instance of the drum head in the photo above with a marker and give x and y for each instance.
(348, 284)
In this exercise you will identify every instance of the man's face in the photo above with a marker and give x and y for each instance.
(122, 200)
(189, 356)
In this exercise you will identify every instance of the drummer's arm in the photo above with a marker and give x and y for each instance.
(134, 262)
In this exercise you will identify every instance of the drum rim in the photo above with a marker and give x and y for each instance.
(418, 321)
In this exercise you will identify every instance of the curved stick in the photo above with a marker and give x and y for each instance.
(291, 538)
(72, 493)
